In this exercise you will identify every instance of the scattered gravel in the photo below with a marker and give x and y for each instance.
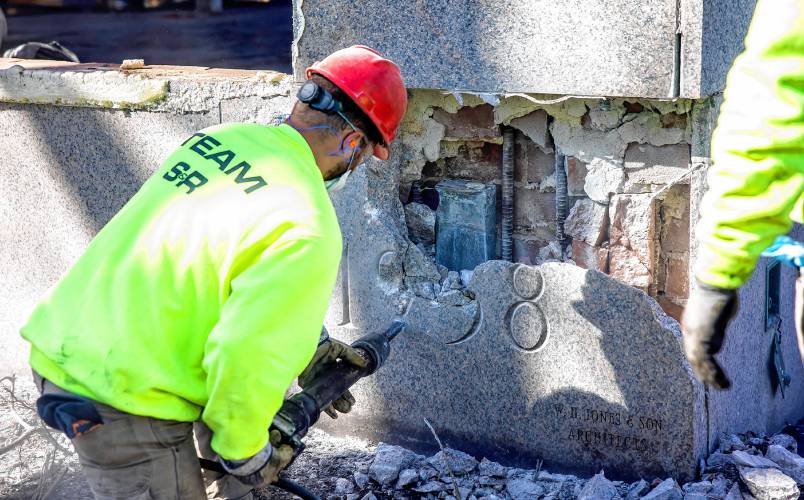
(39, 463)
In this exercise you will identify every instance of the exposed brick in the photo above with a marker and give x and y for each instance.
(589, 257)
(647, 165)
(526, 248)
(587, 221)
(675, 219)
(674, 120)
(677, 284)
(625, 265)
(632, 238)
(469, 123)
(478, 161)
(531, 163)
(673, 309)
(533, 208)
(535, 127)
(576, 176)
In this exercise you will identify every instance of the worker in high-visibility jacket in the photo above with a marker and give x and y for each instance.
(203, 299)
(756, 180)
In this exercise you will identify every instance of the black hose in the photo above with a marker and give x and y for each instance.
(291, 487)
(507, 232)
(295, 488)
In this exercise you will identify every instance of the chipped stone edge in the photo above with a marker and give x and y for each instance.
(158, 90)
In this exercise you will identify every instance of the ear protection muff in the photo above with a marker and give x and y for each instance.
(319, 99)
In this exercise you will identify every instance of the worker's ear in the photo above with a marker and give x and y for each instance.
(352, 141)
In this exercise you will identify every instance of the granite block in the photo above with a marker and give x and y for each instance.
(465, 223)
(619, 47)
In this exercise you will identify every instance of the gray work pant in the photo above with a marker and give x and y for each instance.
(140, 458)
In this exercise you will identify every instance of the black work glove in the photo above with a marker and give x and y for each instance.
(329, 353)
(263, 468)
(704, 322)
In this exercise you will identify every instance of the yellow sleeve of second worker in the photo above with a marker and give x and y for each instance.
(757, 177)
(267, 333)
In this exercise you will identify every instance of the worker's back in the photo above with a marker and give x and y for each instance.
(229, 219)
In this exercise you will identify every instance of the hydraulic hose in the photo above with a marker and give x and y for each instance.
(295, 488)
(507, 232)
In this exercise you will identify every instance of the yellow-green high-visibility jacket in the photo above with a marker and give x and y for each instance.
(205, 295)
(757, 178)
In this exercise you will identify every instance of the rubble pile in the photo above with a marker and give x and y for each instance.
(744, 467)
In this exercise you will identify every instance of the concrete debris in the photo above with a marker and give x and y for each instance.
(451, 282)
(534, 125)
(599, 488)
(406, 478)
(417, 264)
(731, 443)
(459, 462)
(637, 490)
(420, 220)
(587, 221)
(744, 459)
(786, 441)
(132, 64)
(789, 462)
(604, 178)
(702, 487)
(343, 486)
(389, 461)
(552, 251)
(523, 489)
(492, 469)
(769, 484)
(466, 277)
(666, 490)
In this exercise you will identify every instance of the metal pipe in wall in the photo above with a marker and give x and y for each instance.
(562, 197)
(507, 233)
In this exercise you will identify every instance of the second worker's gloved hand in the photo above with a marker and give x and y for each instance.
(263, 468)
(329, 353)
(704, 322)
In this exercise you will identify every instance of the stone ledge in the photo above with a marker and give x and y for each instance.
(180, 89)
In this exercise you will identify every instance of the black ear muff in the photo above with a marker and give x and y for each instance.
(319, 99)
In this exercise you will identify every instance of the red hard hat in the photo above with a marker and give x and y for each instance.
(373, 82)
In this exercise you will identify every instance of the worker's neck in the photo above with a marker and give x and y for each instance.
(321, 144)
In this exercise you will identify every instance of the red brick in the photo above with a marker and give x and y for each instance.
(675, 216)
(480, 161)
(632, 238)
(625, 265)
(526, 248)
(576, 176)
(670, 307)
(469, 123)
(677, 284)
(533, 208)
(589, 257)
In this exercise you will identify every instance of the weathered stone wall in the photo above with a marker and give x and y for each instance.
(620, 153)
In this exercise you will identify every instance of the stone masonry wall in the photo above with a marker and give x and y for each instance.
(619, 153)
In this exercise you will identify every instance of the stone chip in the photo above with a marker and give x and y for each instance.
(769, 484)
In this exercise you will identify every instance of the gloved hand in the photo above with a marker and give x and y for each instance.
(263, 468)
(708, 311)
(329, 353)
